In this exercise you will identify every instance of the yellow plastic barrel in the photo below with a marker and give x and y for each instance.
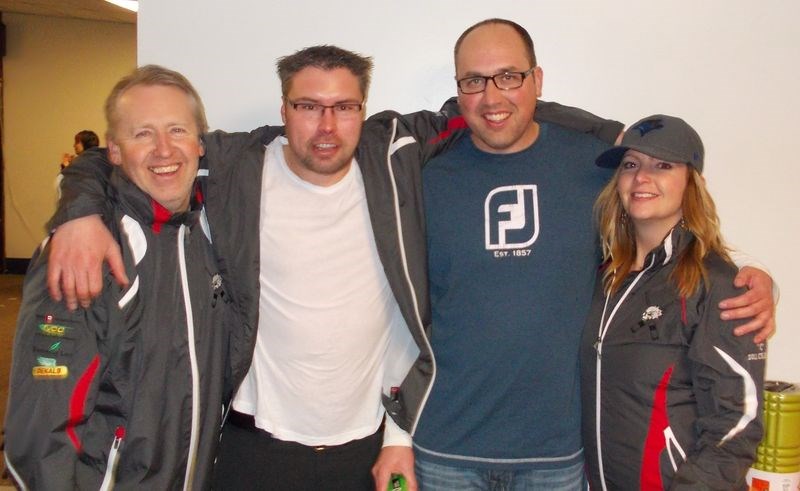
(777, 465)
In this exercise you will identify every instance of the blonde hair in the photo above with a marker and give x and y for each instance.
(619, 245)
(153, 75)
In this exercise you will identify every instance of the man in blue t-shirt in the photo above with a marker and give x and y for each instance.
(512, 257)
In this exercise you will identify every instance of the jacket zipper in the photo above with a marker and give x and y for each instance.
(187, 305)
(113, 460)
(603, 329)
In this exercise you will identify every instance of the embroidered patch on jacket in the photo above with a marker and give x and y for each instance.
(216, 281)
(55, 330)
(652, 313)
(53, 345)
(760, 354)
(45, 362)
(54, 336)
(50, 372)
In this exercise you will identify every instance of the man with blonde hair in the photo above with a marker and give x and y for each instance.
(90, 389)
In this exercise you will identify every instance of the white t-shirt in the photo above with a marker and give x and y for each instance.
(325, 311)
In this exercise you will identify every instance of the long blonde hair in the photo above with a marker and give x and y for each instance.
(619, 245)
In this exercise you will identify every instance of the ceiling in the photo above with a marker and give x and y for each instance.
(81, 9)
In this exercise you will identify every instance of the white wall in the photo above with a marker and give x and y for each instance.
(57, 73)
(730, 67)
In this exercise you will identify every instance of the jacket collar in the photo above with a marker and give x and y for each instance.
(673, 244)
(148, 211)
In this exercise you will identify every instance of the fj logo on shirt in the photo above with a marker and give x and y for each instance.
(511, 215)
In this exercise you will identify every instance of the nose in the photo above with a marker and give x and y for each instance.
(492, 93)
(327, 120)
(163, 144)
(642, 174)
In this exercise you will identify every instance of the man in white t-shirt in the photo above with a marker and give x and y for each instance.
(308, 412)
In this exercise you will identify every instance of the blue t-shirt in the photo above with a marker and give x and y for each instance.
(512, 255)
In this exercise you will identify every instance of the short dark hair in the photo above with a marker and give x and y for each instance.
(325, 57)
(523, 34)
(154, 75)
(87, 138)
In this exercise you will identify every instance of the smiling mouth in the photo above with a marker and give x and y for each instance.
(497, 117)
(644, 195)
(165, 169)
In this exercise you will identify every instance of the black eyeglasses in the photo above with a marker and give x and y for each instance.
(315, 110)
(503, 81)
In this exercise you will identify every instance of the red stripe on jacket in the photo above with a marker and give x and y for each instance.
(453, 124)
(656, 443)
(77, 402)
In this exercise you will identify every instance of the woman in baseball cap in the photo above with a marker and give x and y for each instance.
(670, 396)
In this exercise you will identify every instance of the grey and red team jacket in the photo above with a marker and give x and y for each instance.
(390, 154)
(128, 393)
(671, 398)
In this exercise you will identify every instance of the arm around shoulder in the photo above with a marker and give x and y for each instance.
(579, 120)
(757, 303)
(84, 188)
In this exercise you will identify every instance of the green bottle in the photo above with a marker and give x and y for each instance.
(397, 483)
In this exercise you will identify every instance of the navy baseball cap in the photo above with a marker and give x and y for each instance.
(664, 137)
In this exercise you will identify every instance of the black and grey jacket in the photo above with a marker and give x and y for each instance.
(671, 398)
(127, 394)
(390, 154)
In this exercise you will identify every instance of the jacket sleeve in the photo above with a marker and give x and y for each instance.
(227, 156)
(54, 379)
(435, 131)
(223, 149)
(84, 187)
(728, 381)
(439, 130)
(579, 120)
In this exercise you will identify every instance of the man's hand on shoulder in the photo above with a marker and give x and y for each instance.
(394, 459)
(75, 264)
(756, 303)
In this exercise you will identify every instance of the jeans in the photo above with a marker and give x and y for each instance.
(438, 477)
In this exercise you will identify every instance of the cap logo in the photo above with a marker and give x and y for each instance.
(649, 125)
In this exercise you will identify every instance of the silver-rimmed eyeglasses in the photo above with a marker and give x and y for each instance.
(341, 110)
(503, 81)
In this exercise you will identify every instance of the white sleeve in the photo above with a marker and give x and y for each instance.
(393, 435)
